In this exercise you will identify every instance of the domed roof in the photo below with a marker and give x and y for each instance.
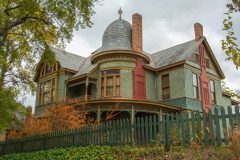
(117, 36)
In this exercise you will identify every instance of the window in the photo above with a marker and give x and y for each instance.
(110, 83)
(47, 69)
(212, 92)
(165, 87)
(197, 58)
(195, 86)
(47, 92)
(53, 90)
(207, 63)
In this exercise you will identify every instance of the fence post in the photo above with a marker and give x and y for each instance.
(150, 129)
(237, 115)
(138, 131)
(205, 125)
(224, 126)
(219, 140)
(199, 127)
(188, 128)
(146, 129)
(167, 133)
(182, 126)
(230, 116)
(142, 130)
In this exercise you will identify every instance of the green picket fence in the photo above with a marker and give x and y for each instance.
(170, 129)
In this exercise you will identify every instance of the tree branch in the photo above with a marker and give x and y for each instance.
(12, 8)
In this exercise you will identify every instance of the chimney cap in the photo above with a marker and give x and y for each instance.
(198, 29)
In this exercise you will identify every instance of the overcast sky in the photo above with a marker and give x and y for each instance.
(166, 23)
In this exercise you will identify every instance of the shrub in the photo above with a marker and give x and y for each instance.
(235, 143)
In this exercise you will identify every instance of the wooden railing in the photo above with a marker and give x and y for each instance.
(170, 129)
(79, 100)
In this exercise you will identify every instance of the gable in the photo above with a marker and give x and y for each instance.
(211, 61)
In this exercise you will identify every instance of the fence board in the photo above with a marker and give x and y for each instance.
(224, 126)
(145, 130)
(205, 131)
(218, 132)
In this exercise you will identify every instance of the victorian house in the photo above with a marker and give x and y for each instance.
(121, 76)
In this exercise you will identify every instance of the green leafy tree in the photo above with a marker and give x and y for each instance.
(8, 107)
(232, 93)
(27, 28)
(230, 43)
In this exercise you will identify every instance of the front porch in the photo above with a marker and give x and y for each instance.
(81, 89)
(110, 109)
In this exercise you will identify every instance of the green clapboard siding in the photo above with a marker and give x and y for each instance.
(61, 87)
(193, 104)
(185, 103)
(218, 89)
(159, 90)
(126, 83)
(150, 86)
(180, 102)
(188, 83)
(177, 84)
(226, 102)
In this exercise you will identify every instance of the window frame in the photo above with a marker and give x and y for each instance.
(44, 70)
(195, 86)
(51, 91)
(213, 98)
(163, 87)
(103, 83)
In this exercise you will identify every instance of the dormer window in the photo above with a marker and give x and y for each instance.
(110, 83)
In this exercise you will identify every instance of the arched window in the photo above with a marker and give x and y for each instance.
(110, 83)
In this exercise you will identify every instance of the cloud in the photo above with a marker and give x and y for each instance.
(165, 24)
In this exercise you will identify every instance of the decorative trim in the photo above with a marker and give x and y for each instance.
(126, 52)
(132, 101)
(214, 59)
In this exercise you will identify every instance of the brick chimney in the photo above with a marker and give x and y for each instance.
(137, 32)
(198, 29)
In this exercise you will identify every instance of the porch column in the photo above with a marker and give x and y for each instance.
(132, 115)
(98, 114)
(86, 91)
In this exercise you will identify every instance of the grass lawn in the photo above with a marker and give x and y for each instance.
(126, 153)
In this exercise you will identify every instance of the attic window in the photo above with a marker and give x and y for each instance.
(207, 63)
(47, 69)
(197, 58)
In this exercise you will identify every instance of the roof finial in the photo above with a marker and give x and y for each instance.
(120, 13)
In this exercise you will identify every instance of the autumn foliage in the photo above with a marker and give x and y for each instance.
(235, 143)
(56, 118)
